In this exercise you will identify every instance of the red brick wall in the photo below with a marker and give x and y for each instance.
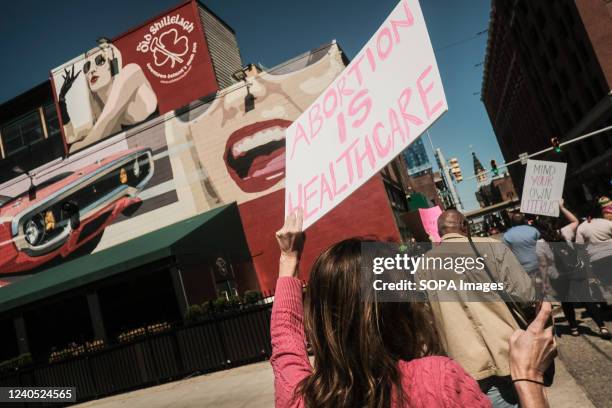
(598, 24)
(365, 212)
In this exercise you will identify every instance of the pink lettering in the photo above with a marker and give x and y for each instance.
(332, 172)
(382, 150)
(325, 189)
(307, 196)
(403, 102)
(341, 127)
(317, 120)
(292, 207)
(342, 91)
(367, 154)
(395, 125)
(371, 59)
(384, 33)
(408, 22)
(346, 156)
(300, 135)
(365, 106)
(357, 69)
(424, 91)
(329, 111)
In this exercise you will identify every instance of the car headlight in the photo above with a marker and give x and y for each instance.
(34, 231)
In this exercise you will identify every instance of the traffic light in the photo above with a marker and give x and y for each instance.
(554, 141)
(455, 170)
(494, 168)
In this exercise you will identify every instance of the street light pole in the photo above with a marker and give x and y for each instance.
(447, 179)
(444, 170)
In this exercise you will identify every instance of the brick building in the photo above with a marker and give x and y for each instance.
(548, 73)
(129, 213)
(500, 189)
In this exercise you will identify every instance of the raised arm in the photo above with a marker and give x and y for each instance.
(531, 353)
(573, 221)
(124, 87)
(289, 356)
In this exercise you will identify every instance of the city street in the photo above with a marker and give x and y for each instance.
(579, 381)
(588, 358)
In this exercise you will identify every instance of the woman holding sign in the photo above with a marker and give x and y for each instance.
(375, 354)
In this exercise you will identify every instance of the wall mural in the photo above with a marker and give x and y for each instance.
(130, 171)
(116, 98)
(148, 71)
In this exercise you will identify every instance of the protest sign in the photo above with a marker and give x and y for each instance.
(383, 100)
(543, 187)
(429, 219)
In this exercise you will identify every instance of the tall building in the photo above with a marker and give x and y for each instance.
(548, 73)
(416, 158)
(479, 171)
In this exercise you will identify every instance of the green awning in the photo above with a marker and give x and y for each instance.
(186, 235)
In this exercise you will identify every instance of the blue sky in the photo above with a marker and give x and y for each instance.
(36, 36)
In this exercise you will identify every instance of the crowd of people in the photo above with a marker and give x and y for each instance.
(369, 353)
(571, 261)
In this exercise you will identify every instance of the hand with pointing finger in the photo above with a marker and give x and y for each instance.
(534, 349)
(290, 240)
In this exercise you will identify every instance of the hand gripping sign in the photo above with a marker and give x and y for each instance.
(383, 100)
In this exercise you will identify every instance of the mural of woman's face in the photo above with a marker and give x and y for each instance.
(244, 152)
(97, 71)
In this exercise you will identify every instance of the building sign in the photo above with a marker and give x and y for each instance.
(121, 83)
(168, 43)
(386, 97)
(543, 187)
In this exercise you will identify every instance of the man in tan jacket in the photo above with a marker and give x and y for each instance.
(476, 325)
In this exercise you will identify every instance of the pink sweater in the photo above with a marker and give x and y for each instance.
(428, 382)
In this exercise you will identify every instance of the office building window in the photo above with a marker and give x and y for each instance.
(18, 135)
(51, 120)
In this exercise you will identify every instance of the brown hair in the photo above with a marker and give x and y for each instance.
(357, 342)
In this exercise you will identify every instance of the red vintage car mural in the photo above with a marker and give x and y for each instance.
(70, 210)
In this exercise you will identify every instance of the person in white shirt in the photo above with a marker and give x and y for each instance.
(568, 281)
(596, 234)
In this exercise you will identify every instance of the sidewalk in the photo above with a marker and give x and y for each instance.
(565, 392)
(252, 386)
(249, 386)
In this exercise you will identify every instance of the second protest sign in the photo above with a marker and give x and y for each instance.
(543, 187)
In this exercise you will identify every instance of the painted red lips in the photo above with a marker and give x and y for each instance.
(255, 155)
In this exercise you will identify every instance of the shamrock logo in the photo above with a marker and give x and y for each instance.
(169, 47)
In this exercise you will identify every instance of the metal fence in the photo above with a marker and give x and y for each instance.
(234, 339)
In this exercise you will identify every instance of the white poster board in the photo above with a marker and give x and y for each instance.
(388, 95)
(543, 187)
